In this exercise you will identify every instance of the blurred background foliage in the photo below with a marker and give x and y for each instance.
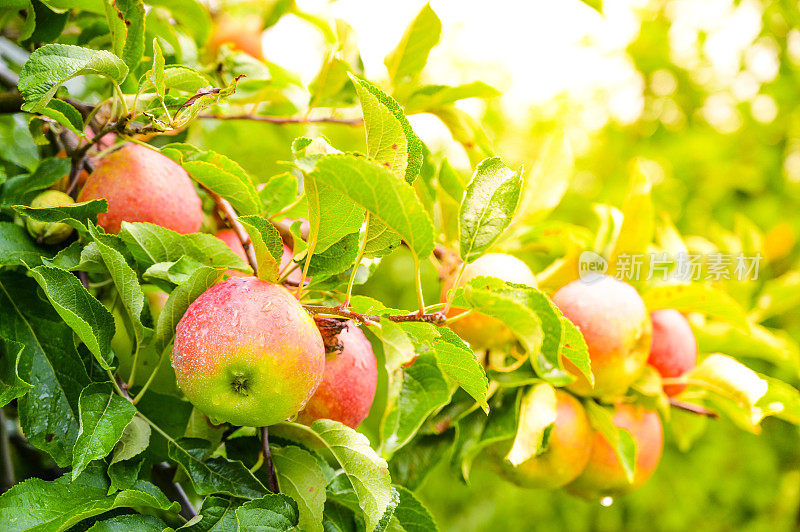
(702, 93)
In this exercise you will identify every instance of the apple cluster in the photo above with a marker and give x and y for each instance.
(622, 339)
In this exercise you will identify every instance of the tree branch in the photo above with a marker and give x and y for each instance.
(436, 318)
(238, 228)
(694, 409)
(288, 119)
(6, 466)
(271, 479)
(163, 474)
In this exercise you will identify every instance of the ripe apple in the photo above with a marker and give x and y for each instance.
(246, 352)
(242, 33)
(348, 384)
(49, 232)
(604, 474)
(141, 185)
(567, 453)
(615, 323)
(480, 330)
(230, 237)
(673, 351)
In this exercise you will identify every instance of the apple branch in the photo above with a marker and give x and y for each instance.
(694, 409)
(281, 120)
(436, 318)
(230, 214)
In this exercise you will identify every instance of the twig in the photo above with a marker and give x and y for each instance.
(163, 474)
(436, 318)
(271, 479)
(694, 409)
(6, 466)
(288, 119)
(237, 227)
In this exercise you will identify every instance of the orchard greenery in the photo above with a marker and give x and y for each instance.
(88, 317)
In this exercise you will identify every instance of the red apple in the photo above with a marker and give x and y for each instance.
(673, 351)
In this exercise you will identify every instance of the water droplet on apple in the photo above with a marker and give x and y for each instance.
(606, 501)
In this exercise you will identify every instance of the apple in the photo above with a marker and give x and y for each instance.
(617, 329)
(247, 353)
(567, 453)
(242, 33)
(49, 232)
(604, 474)
(141, 185)
(673, 350)
(348, 384)
(230, 237)
(479, 330)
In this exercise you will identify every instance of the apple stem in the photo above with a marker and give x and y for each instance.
(271, 479)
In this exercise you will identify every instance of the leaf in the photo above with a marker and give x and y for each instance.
(390, 139)
(219, 174)
(408, 59)
(126, 22)
(130, 523)
(123, 475)
(215, 475)
(201, 100)
(17, 248)
(48, 360)
(23, 189)
(268, 246)
(411, 464)
(74, 215)
(458, 361)
(277, 193)
(487, 207)
(547, 183)
(697, 298)
(104, 416)
(11, 385)
(37, 504)
(65, 114)
(336, 259)
(638, 222)
(723, 375)
(134, 440)
(389, 200)
(434, 96)
(412, 514)
(620, 440)
(450, 181)
(156, 73)
(51, 65)
(536, 417)
(150, 244)
(301, 478)
(216, 515)
(90, 320)
(273, 513)
(192, 16)
(423, 390)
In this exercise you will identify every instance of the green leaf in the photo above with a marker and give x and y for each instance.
(272, 513)
(150, 244)
(65, 114)
(434, 96)
(48, 360)
(126, 23)
(488, 206)
(389, 200)
(411, 464)
(412, 514)
(178, 301)
(697, 298)
(301, 477)
(390, 139)
(171, 414)
(37, 504)
(90, 320)
(23, 188)
(451, 182)
(219, 174)
(408, 59)
(536, 417)
(618, 438)
(547, 183)
(17, 248)
(104, 416)
(51, 65)
(12, 386)
(123, 475)
(267, 244)
(638, 222)
(130, 523)
(201, 100)
(215, 475)
(336, 259)
(134, 440)
(216, 514)
(423, 390)
(193, 17)
(156, 73)
(278, 192)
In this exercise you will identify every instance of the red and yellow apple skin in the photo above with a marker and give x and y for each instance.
(617, 329)
(673, 350)
(246, 352)
(479, 330)
(567, 453)
(142, 185)
(604, 474)
(348, 385)
(232, 240)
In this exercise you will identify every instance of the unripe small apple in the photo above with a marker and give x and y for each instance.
(480, 330)
(567, 453)
(49, 232)
(673, 351)
(616, 326)
(246, 352)
(141, 185)
(348, 384)
(604, 474)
